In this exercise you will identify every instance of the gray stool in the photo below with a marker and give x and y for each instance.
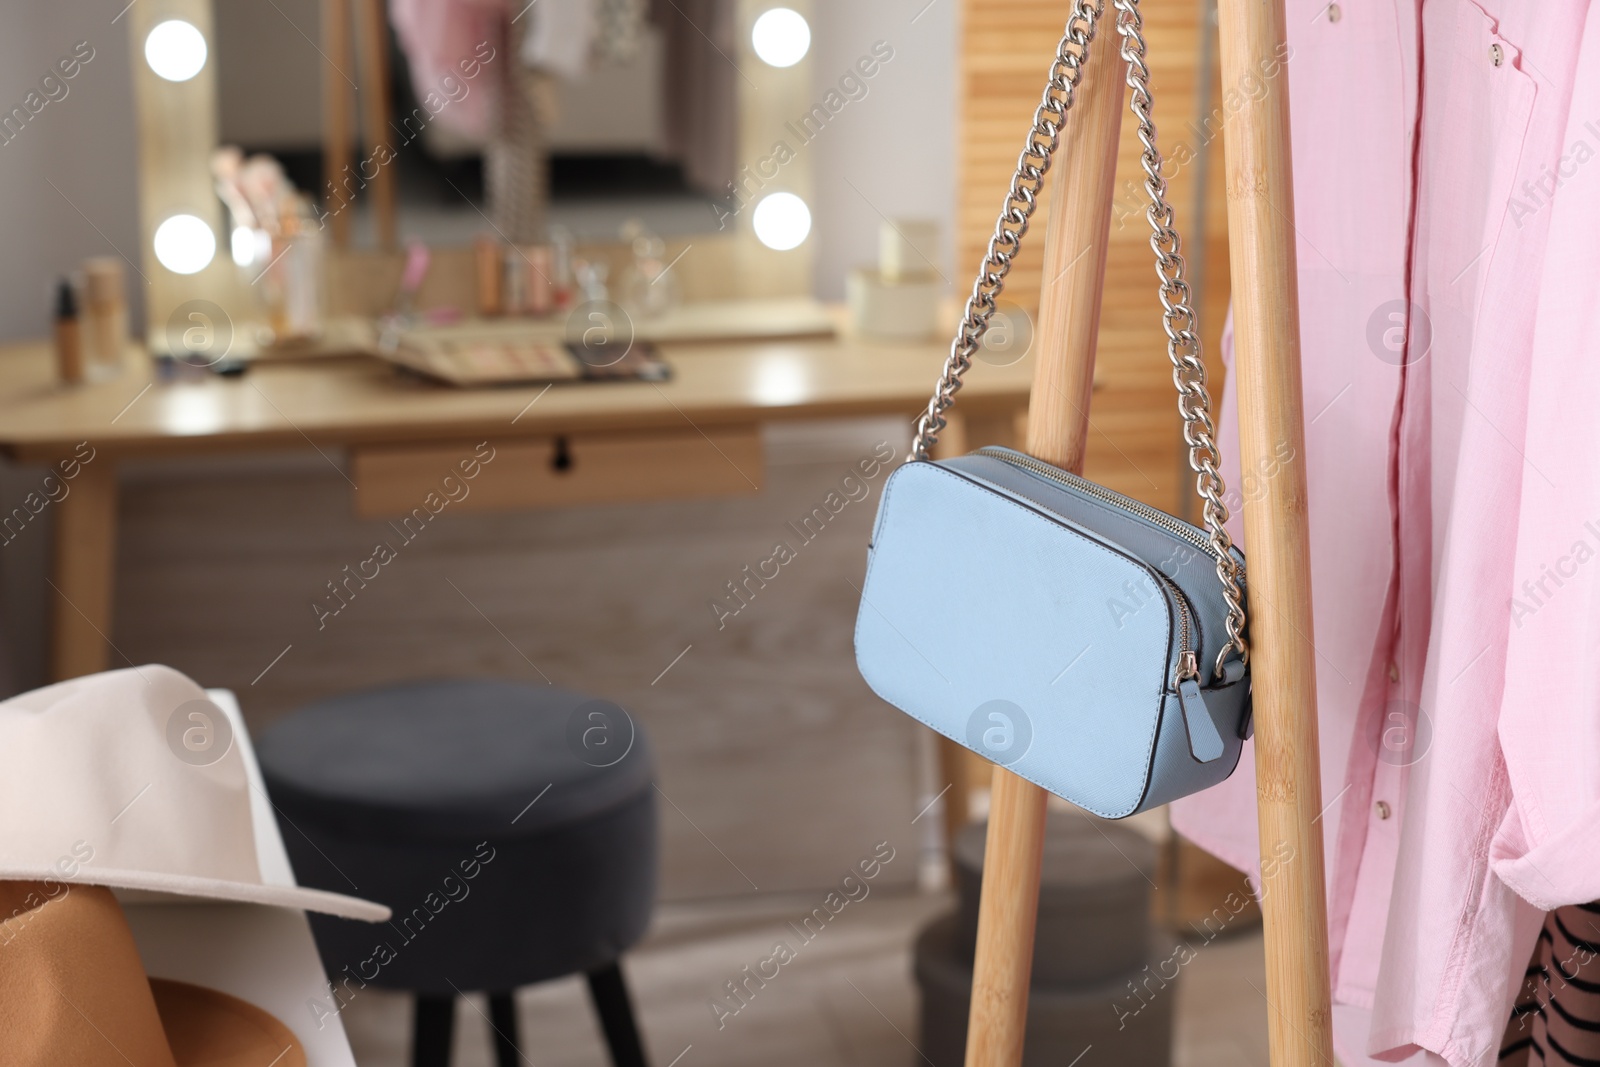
(511, 828)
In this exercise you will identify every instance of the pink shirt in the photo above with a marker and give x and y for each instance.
(447, 44)
(1446, 154)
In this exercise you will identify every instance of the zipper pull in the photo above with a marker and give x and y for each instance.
(1205, 743)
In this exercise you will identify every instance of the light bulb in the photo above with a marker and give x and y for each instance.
(782, 221)
(781, 37)
(175, 50)
(185, 244)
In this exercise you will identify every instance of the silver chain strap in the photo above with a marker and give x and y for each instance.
(1183, 344)
(1179, 319)
(1066, 70)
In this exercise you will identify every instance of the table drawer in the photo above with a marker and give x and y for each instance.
(557, 471)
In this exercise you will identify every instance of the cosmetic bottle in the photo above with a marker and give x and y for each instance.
(69, 342)
(490, 275)
(105, 318)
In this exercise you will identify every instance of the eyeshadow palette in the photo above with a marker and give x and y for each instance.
(467, 356)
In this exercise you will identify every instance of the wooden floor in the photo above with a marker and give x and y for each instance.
(847, 999)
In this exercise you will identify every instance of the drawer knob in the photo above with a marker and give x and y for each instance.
(561, 460)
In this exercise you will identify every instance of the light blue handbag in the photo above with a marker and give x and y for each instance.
(1087, 642)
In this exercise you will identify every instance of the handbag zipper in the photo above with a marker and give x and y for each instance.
(1205, 743)
(1188, 663)
(1100, 492)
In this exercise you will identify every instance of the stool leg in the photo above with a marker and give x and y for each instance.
(431, 1030)
(610, 995)
(503, 1019)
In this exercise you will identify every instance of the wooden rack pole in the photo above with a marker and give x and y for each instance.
(1081, 184)
(1266, 327)
(372, 45)
(336, 118)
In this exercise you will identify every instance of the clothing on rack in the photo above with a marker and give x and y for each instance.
(619, 29)
(1446, 210)
(1556, 1020)
(559, 37)
(438, 36)
(516, 170)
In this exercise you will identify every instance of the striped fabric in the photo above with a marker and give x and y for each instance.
(516, 170)
(1556, 1019)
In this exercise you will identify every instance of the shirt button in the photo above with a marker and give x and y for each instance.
(1394, 671)
(1334, 14)
(1497, 55)
(1382, 808)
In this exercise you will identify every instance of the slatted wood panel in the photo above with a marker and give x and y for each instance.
(1006, 50)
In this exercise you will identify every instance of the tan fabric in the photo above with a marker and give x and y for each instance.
(73, 991)
(210, 1029)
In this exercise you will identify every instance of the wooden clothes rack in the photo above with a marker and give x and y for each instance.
(340, 170)
(1267, 364)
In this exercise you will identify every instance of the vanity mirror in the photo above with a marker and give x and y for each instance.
(294, 154)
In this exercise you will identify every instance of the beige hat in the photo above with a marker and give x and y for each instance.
(72, 991)
(130, 779)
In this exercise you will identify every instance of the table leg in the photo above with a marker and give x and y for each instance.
(85, 567)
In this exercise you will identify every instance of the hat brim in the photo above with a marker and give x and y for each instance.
(282, 896)
(206, 1028)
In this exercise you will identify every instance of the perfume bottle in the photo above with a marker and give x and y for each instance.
(592, 277)
(104, 318)
(562, 284)
(649, 286)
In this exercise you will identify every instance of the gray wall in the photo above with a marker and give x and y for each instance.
(83, 143)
